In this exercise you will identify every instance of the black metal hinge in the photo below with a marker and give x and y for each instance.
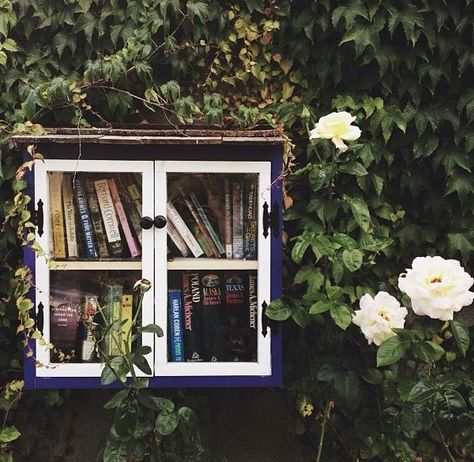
(40, 317)
(39, 217)
(267, 322)
(271, 220)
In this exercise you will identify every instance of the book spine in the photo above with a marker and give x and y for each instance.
(108, 216)
(210, 229)
(228, 218)
(177, 240)
(113, 312)
(212, 290)
(131, 210)
(96, 218)
(202, 227)
(250, 222)
(132, 245)
(202, 241)
(69, 217)
(253, 317)
(57, 215)
(127, 317)
(134, 192)
(191, 325)
(183, 230)
(237, 221)
(85, 219)
(175, 319)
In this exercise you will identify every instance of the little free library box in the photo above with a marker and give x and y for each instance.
(196, 213)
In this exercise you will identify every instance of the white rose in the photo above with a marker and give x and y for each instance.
(437, 287)
(336, 127)
(378, 316)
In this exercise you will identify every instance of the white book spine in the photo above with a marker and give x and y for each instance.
(107, 210)
(183, 230)
(177, 239)
(70, 217)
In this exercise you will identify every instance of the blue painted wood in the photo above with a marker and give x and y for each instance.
(215, 153)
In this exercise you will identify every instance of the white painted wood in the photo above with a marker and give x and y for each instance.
(96, 265)
(162, 366)
(45, 369)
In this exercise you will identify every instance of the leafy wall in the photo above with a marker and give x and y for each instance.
(405, 68)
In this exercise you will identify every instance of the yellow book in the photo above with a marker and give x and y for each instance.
(57, 215)
(127, 316)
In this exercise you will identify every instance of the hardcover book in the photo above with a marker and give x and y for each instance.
(127, 317)
(183, 230)
(134, 192)
(250, 221)
(69, 217)
(177, 240)
(112, 308)
(85, 219)
(130, 209)
(191, 319)
(228, 218)
(109, 217)
(132, 244)
(175, 320)
(57, 216)
(96, 218)
(237, 220)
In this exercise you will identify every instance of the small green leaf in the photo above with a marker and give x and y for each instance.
(461, 335)
(278, 310)
(166, 422)
(353, 168)
(321, 307)
(341, 315)
(300, 316)
(152, 328)
(116, 400)
(391, 350)
(352, 259)
(422, 391)
(142, 364)
(155, 403)
(360, 213)
(9, 434)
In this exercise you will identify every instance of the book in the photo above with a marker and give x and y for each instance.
(130, 209)
(64, 320)
(69, 217)
(250, 220)
(175, 320)
(202, 241)
(183, 230)
(237, 220)
(122, 217)
(210, 229)
(112, 309)
(96, 218)
(228, 218)
(191, 306)
(134, 192)
(212, 252)
(57, 215)
(212, 332)
(109, 217)
(127, 318)
(240, 316)
(85, 218)
(177, 240)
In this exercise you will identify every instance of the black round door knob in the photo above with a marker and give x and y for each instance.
(146, 222)
(160, 221)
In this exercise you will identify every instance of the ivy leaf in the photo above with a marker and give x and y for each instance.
(461, 184)
(352, 259)
(391, 350)
(462, 243)
(197, 9)
(341, 315)
(9, 434)
(278, 310)
(461, 335)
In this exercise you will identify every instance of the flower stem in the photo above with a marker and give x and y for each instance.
(326, 414)
(443, 440)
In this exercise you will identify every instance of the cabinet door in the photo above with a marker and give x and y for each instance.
(94, 252)
(212, 268)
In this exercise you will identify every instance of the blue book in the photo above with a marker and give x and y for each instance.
(85, 218)
(175, 319)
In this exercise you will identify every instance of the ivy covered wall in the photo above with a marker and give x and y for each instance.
(404, 68)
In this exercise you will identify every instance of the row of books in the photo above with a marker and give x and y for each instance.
(212, 317)
(194, 230)
(93, 216)
(77, 325)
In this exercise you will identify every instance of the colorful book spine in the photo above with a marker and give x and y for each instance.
(85, 218)
(183, 230)
(109, 217)
(212, 330)
(175, 319)
(96, 218)
(253, 317)
(210, 229)
(177, 240)
(237, 220)
(191, 307)
(69, 217)
(132, 244)
(203, 242)
(127, 318)
(250, 222)
(57, 215)
(202, 227)
(131, 210)
(228, 218)
(113, 312)
(134, 192)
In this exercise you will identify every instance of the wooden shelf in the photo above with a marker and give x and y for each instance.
(97, 265)
(211, 264)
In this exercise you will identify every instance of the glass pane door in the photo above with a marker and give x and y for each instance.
(210, 304)
(95, 250)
